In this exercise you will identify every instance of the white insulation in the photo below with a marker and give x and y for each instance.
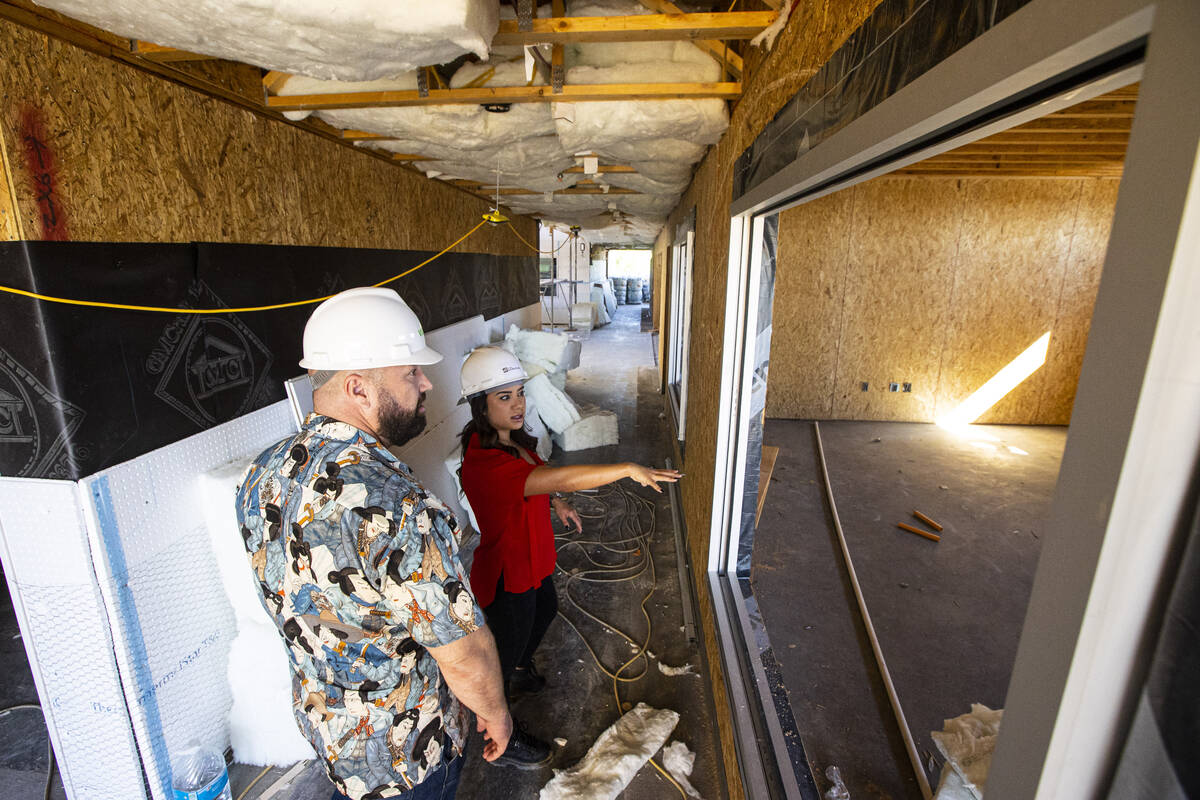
(359, 45)
(615, 757)
(595, 428)
(349, 40)
(968, 742)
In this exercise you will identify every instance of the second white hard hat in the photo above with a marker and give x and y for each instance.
(489, 368)
(364, 328)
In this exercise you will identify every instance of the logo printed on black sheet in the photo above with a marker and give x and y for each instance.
(35, 424)
(211, 365)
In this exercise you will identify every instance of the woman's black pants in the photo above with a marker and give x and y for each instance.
(519, 621)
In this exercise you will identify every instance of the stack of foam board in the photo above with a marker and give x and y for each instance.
(546, 358)
(595, 428)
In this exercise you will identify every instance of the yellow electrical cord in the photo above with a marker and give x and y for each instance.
(536, 250)
(257, 778)
(648, 560)
(167, 310)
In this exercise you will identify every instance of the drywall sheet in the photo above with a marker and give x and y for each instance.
(896, 44)
(172, 621)
(72, 403)
(48, 565)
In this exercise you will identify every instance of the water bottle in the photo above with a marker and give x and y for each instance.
(198, 773)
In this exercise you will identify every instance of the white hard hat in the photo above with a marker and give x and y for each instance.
(489, 368)
(364, 328)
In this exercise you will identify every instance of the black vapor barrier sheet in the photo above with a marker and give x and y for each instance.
(84, 388)
(896, 44)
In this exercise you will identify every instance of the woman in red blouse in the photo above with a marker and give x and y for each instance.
(509, 489)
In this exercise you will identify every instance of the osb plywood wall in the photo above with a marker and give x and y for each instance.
(814, 31)
(124, 156)
(938, 283)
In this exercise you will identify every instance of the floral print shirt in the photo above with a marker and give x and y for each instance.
(359, 567)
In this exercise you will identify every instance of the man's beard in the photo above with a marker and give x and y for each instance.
(397, 426)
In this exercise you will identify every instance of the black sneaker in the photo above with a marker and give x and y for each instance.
(524, 751)
(525, 680)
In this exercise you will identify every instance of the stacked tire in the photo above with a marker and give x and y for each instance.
(646, 292)
(633, 291)
(619, 289)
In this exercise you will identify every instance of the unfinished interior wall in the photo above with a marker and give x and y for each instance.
(939, 283)
(814, 31)
(139, 159)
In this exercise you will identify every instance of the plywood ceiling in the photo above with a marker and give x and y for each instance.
(1084, 140)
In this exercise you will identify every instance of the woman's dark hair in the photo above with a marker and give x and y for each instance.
(489, 438)
(453, 589)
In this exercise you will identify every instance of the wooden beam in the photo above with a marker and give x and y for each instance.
(1092, 125)
(507, 94)
(1098, 108)
(1057, 137)
(985, 146)
(583, 190)
(637, 28)
(162, 54)
(613, 169)
(714, 47)
(274, 79)
(1012, 172)
(409, 157)
(366, 136)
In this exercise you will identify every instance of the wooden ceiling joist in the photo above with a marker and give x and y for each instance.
(643, 28)
(714, 47)
(506, 94)
(613, 169)
(162, 54)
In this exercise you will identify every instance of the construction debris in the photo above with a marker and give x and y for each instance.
(968, 742)
(926, 520)
(595, 428)
(931, 536)
(615, 757)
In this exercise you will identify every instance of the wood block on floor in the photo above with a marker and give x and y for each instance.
(769, 454)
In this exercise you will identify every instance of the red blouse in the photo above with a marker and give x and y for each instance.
(516, 537)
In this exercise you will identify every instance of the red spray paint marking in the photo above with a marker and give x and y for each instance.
(39, 158)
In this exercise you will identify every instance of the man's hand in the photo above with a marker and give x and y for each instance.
(495, 735)
(567, 514)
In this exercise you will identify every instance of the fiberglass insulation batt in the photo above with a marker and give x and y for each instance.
(349, 40)
(595, 428)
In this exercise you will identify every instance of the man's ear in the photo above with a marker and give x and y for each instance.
(359, 390)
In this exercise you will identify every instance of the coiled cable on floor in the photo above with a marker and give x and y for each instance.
(633, 541)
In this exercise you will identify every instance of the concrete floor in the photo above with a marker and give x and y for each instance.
(948, 615)
(616, 372)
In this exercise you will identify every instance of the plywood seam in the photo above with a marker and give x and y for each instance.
(1062, 290)
(841, 324)
(955, 263)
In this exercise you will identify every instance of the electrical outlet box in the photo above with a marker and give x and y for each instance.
(864, 386)
(893, 387)
(906, 387)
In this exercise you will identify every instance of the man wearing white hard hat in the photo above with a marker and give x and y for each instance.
(377, 619)
(510, 490)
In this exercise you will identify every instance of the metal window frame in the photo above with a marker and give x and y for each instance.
(1135, 435)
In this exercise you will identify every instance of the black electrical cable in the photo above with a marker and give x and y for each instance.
(49, 745)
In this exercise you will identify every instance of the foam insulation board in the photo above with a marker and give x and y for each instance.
(615, 757)
(48, 567)
(536, 428)
(547, 350)
(262, 728)
(452, 463)
(968, 742)
(556, 409)
(595, 428)
(347, 40)
(603, 317)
